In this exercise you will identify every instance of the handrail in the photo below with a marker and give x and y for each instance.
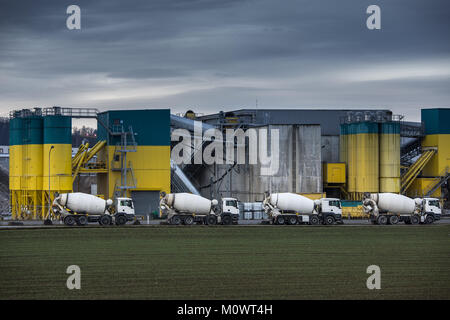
(414, 170)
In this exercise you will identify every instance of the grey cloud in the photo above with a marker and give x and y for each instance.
(211, 44)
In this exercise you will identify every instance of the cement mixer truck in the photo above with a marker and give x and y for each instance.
(291, 208)
(391, 208)
(187, 208)
(81, 208)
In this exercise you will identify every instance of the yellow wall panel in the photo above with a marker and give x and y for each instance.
(334, 172)
(15, 167)
(390, 163)
(441, 160)
(420, 186)
(367, 172)
(60, 167)
(151, 169)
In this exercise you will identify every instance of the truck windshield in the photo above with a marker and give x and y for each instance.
(434, 203)
(126, 203)
(335, 203)
(231, 203)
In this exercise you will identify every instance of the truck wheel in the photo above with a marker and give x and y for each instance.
(280, 220)
(226, 220)
(314, 220)
(382, 220)
(211, 220)
(414, 219)
(176, 220)
(188, 220)
(429, 219)
(82, 220)
(329, 220)
(69, 221)
(292, 220)
(104, 220)
(394, 219)
(121, 220)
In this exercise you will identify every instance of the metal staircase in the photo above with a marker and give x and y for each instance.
(413, 171)
(127, 144)
(179, 181)
(439, 181)
(409, 152)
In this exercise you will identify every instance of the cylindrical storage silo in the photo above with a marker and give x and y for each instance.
(390, 157)
(15, 163)
(343, 142)
(32, 153)
(367, 169)
(57, 161)
(351, 157)
(15, 153)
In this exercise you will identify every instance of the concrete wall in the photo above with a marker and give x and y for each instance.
(299, 168)
(330, 148)
(309, 159)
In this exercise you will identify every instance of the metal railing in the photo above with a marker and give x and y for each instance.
(437, 182)
(55, 111)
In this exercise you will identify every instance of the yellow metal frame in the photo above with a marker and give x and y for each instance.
(408, 178)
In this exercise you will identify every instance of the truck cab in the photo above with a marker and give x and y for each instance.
(230, 206)
(431, 209)
(125, 206)
(331, 207)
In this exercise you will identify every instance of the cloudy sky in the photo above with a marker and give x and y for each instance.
(212, 55)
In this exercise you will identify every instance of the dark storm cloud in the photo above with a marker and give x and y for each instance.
(221, 54)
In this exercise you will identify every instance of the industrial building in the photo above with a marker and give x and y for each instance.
(340, 153)
(137, 154)
(131, 157)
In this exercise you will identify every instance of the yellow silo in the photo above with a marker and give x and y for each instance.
(57, 155)
(32, 165)
(352, 158)
(343, 143)
(367, 153)
(390, 157)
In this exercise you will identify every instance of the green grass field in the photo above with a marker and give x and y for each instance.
(261, 262)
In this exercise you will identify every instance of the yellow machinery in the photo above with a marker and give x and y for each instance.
(390, 157)
(353, 210)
